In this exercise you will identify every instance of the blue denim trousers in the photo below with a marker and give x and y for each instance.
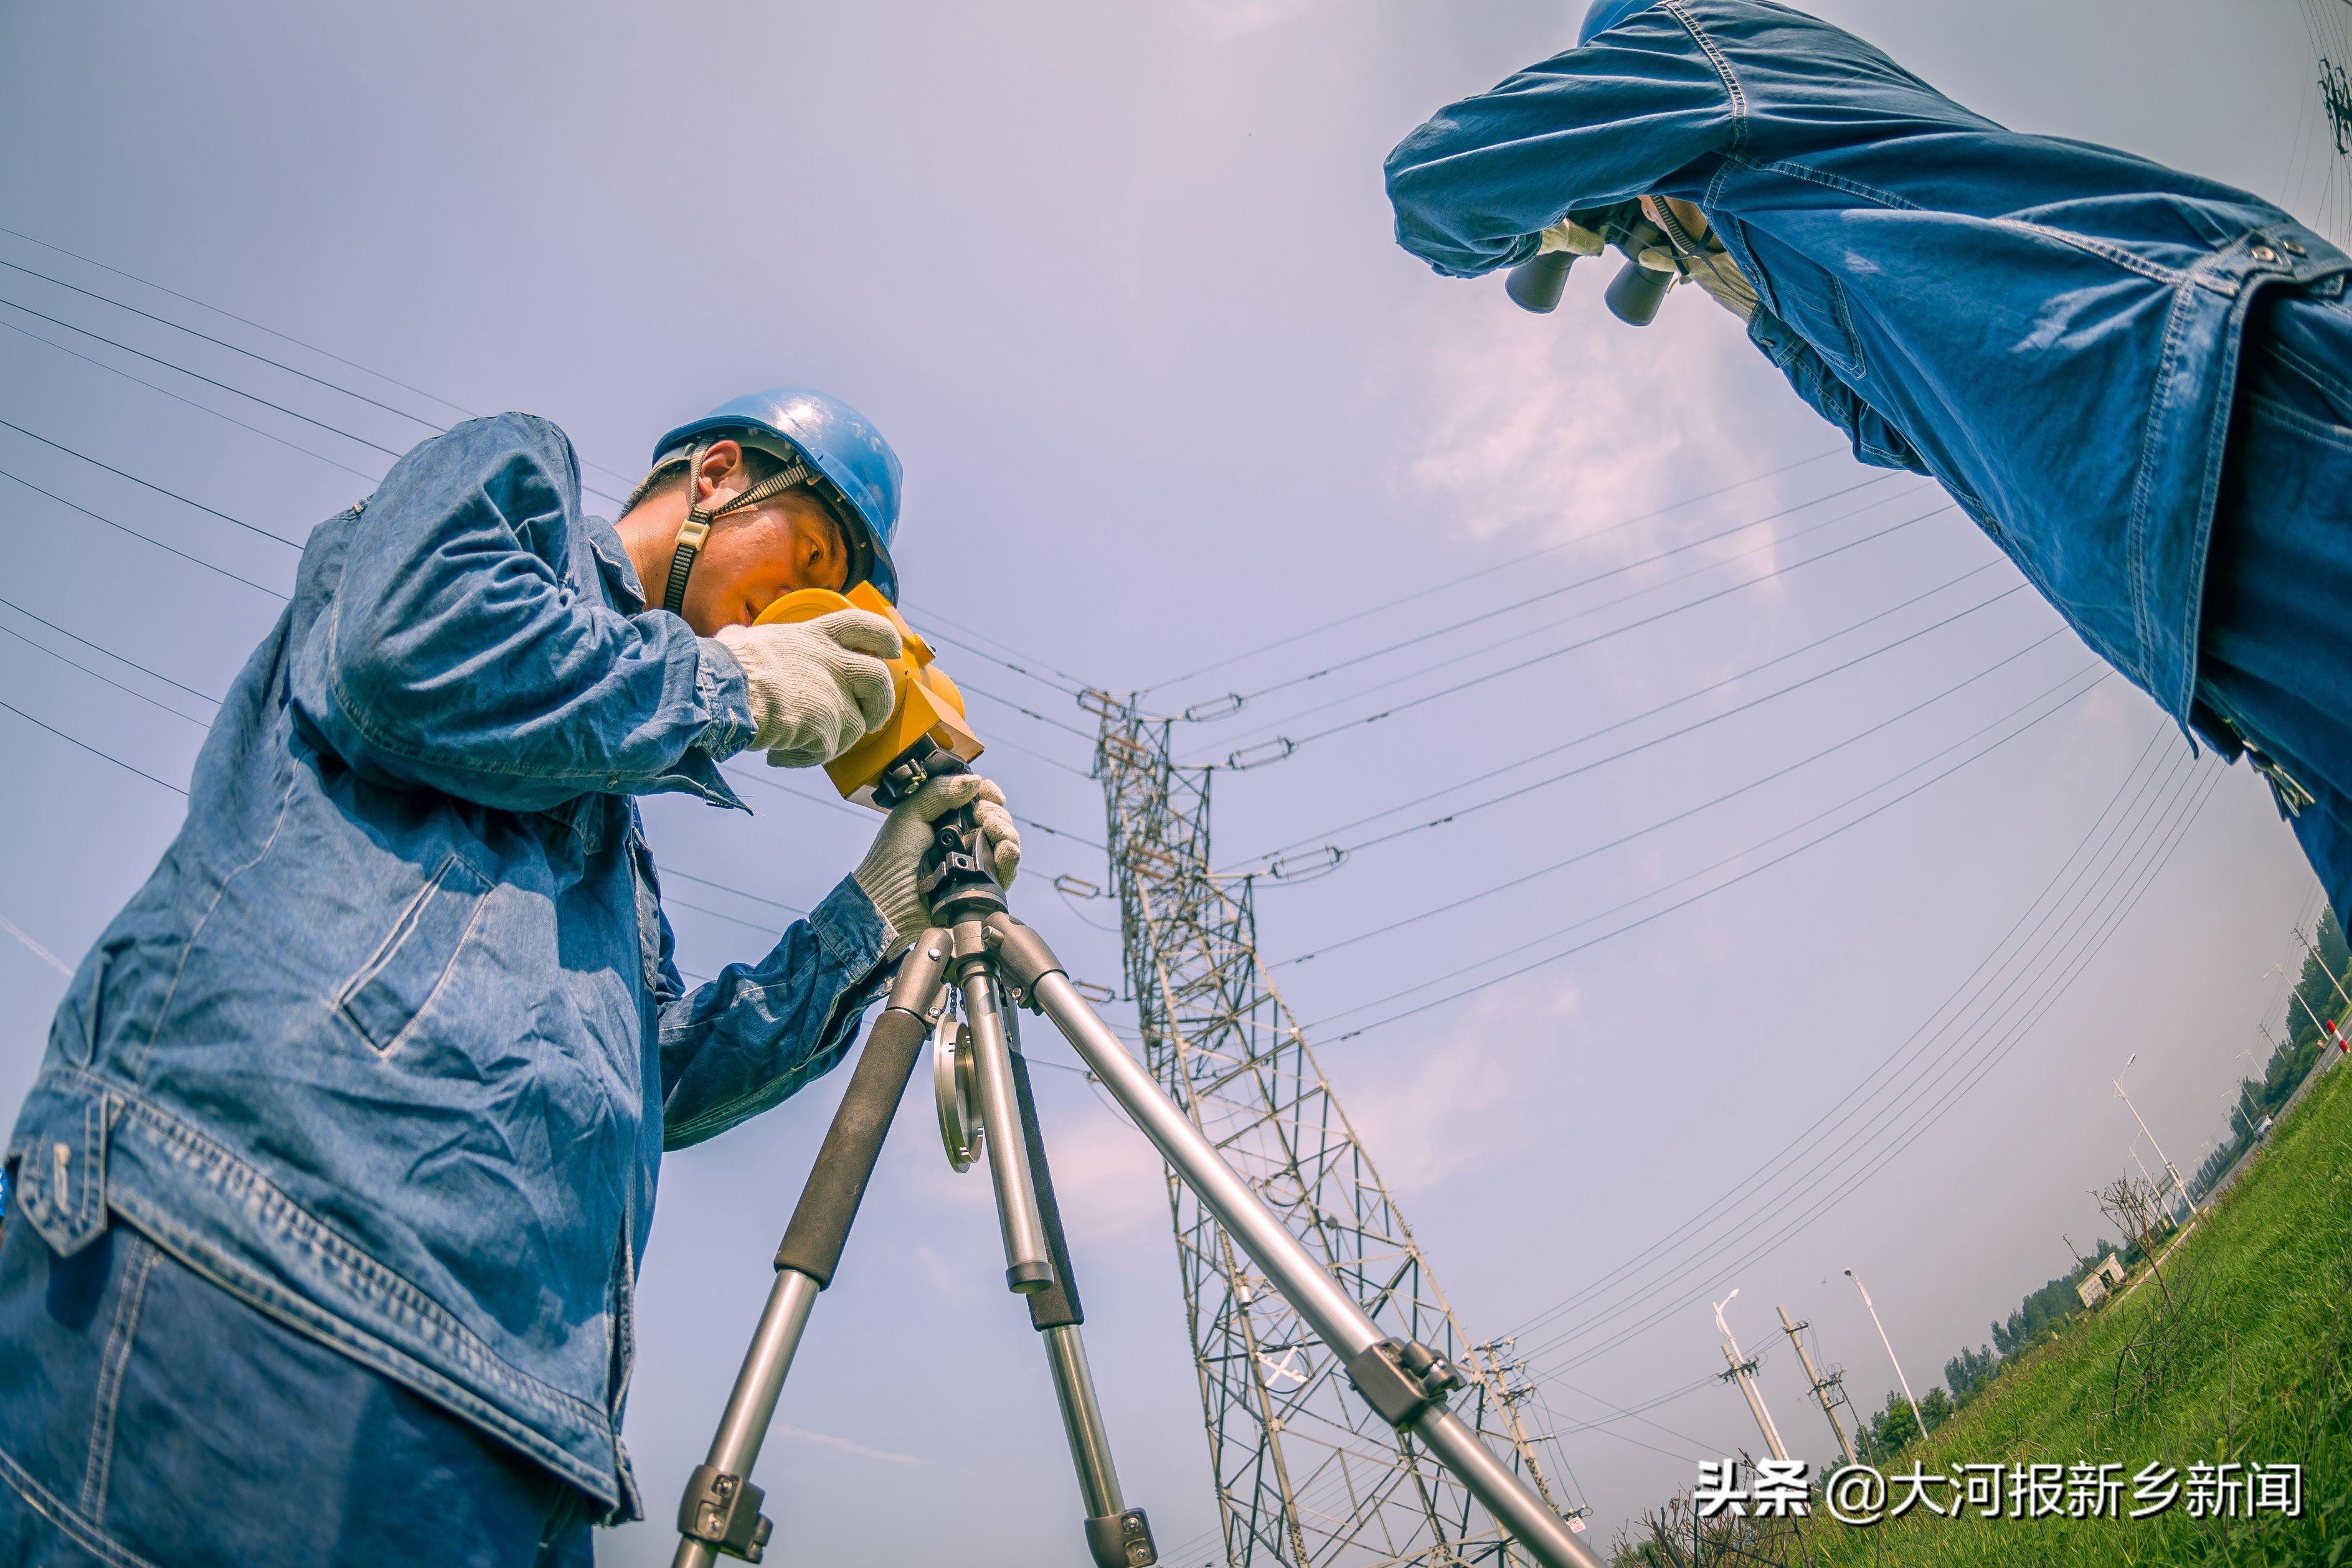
(147, 1416)
(2274, 667)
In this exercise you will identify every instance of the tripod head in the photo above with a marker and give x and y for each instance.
(1639, 286)
(954, 880)
(926, 731)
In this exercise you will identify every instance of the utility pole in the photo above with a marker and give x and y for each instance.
(1743, 1371)
(2294, 994)
(2169, 1167)
(1306, 1476)
(1821, 1385)
(2254, 1117)
(2134, 1151)
(2332, 980)
(1890, 1352)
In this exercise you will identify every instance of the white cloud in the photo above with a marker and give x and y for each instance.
(1543, 428)
(1449, 1108)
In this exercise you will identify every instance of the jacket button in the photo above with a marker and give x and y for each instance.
(2292, 248)
(2264, 253)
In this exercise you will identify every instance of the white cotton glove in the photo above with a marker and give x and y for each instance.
(817, 687)
(1725, 284)
(1571, 236)
(888, 871)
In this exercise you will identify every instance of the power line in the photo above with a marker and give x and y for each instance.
(1811, 1136)
(71, 664)
(108, 652)
(1063, 682)
(146, 537)
(1526, 877)
(1684, 903)
(272, 331)
(149, 484)
(1519, 790)
(1260, 738)
(199, 375)
(1482, 571)
(1992, 1056)
(178, 397)
(1329, 834)
(2091, 879)
(93, 751)
(1554, 593)
(1475, 680)
(218, 342)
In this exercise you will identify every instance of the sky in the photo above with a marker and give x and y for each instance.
(1117, 280)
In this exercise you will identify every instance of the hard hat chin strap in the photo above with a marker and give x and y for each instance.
(695, 532)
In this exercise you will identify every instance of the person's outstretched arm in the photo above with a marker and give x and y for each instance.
(454, 657)
(1475, 186)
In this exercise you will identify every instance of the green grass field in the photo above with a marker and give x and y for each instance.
(2249, 1358)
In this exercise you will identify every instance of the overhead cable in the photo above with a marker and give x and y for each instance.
(1387, 1020)
(1424, 593)
(1541, 871)
(1517, 791)
(1331, 834)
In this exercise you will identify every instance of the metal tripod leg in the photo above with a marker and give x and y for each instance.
(720, 1510)
(1038, 1259)
(1406, 1383)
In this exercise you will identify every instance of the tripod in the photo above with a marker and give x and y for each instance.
(995, 963)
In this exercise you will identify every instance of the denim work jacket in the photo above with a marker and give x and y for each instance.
(2048, 327)
(391, 1042)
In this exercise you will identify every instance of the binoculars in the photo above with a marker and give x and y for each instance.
(1638, 290)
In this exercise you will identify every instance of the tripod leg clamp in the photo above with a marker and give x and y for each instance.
(1121, 1540)
(1402, 1381)
(723, 1510)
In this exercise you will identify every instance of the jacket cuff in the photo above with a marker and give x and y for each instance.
(726, 695)
(851, 930)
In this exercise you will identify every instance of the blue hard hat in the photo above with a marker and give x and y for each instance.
(861, 472)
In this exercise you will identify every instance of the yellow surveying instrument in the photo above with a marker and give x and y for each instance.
(927, 711)
(977, 959)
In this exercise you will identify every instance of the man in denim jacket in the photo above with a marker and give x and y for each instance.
(329, 1199)
(2137, 381)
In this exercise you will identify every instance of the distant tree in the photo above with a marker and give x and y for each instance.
(1883, 1434)
(1969, 1370)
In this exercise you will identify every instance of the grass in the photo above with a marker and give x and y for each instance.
(2244, 1353)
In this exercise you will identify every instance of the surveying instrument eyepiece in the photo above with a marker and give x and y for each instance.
(976, 959)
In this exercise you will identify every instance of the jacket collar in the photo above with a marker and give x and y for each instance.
(613, 565)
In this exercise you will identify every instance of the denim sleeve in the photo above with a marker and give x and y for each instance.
(1474, 185)
(454, 656)
(1875, 441)
(760, 1033)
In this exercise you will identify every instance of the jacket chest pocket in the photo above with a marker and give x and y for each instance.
(407, 968)
(1810, 299)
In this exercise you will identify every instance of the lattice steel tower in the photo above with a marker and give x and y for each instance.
(1306, 1474)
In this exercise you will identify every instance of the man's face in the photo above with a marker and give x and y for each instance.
(752, 559)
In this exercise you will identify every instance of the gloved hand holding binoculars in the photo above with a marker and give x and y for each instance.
(1663, 240)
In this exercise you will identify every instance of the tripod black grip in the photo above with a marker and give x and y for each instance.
(828, 1204)
(1055, 1306)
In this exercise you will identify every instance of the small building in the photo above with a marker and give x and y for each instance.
(2093, 1288)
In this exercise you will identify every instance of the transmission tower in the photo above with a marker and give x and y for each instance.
(1306, 1474)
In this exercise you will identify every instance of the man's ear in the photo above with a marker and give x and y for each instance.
(722, 473)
